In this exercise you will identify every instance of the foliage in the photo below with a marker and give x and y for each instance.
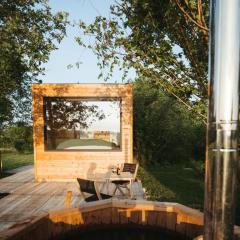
(18, 136)
(176, 183)
(20, 145)
(163, 130)
(28, 33)
(173, 183)
(11, 160)
(198, 167)
(62, 113)
(155, 190)
(163, 40)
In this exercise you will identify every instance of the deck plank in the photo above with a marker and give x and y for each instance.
(28, 198)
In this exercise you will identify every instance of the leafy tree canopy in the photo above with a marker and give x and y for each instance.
(61, 113)
(28, 33)
(163, 131)
(17, 135)
(64, 113)
(163, 40)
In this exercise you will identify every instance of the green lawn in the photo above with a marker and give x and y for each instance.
(175, 183)
(83, 142)
(12, 160)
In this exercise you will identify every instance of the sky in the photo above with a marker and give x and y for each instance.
(111, 121)
(69, 51)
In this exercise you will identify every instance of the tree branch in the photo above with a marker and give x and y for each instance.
(204, 28)
(204, 118)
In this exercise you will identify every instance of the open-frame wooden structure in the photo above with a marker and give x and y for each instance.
(66, 165)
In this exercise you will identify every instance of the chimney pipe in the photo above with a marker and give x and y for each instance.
(222, 135)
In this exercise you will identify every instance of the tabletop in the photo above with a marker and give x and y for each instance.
(122, 176)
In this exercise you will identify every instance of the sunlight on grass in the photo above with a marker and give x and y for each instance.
(155, 190)
(173, 184)
(11, 160)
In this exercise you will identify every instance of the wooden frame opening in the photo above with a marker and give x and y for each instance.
(65, 165)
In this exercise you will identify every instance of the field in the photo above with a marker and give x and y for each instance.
(175, 183)
(84, 144)
(11, 160)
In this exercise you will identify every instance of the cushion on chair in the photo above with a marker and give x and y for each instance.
(129, 167)
(119, 182)
(86, 186)
(105, 196)
(91, 198)
(95, 198)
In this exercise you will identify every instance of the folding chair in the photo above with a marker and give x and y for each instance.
(90, 187)
(127, 167)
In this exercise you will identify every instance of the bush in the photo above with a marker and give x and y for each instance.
(164, 130)
(18, 136)
(20, 145)
(198, 167)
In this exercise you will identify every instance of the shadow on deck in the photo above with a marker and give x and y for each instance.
(23, 198)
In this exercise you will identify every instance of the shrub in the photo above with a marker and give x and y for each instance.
(18, 136)
(164, 131)
(20, 145)
(198, 167)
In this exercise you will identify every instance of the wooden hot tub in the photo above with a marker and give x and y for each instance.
(169, 217)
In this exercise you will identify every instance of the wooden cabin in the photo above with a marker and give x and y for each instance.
(66, 118)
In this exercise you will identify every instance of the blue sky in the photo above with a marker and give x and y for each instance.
(69, 51)
(111, 122)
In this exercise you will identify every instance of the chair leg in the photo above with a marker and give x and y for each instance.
(128, 189)
(115, 190)
(131, 189)
(120, 190)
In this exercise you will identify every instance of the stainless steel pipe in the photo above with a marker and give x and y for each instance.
(222, 137)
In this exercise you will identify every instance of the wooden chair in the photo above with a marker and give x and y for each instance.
(127, 167)
(131, 167)
(91, 187)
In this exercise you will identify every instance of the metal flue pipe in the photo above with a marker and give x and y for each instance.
(221, 157)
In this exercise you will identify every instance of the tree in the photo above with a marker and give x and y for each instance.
(18, 136)
(28, 33)
(163, 130)
(66, 114)
(163, 40)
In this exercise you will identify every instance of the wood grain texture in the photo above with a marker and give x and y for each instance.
(66, 166)
(37, 211)
(120, 212)
(28, 198)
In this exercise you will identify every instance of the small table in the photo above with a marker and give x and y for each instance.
(123, 176)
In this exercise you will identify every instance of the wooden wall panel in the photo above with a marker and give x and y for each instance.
(66, 165)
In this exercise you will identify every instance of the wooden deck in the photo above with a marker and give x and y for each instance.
(28, 198)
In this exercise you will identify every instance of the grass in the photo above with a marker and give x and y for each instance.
(11, 160)
(83, 142)
(174, 183)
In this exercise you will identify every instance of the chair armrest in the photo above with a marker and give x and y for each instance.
(136, 170)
